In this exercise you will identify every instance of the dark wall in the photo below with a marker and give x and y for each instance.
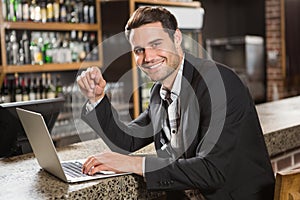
(225, 18)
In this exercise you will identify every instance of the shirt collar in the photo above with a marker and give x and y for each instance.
(175, 91)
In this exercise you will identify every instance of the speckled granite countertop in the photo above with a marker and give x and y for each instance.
(280, 121)
(22, 178)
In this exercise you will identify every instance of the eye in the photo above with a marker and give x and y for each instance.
(155, 44)
(139, 51)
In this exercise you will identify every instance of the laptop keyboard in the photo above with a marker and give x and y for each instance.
(73, 169)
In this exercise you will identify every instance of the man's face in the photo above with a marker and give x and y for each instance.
(155, 53)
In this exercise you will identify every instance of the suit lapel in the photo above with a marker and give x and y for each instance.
(158, 112)
(190, 113)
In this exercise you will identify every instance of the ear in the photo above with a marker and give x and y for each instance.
(177, 38)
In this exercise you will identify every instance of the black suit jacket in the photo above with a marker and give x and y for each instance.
(223, 149)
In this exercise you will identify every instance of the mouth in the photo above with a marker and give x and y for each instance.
(155, 66)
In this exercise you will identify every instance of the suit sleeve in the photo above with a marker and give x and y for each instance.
(120, 137)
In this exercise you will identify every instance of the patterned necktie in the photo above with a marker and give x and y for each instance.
(172, 120)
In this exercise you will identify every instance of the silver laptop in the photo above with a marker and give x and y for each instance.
(45, 152)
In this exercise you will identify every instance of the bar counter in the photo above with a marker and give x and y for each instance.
(280, 121)
(22, 178)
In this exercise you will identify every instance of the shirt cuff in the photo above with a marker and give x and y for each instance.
(143, 166)
(90, 106)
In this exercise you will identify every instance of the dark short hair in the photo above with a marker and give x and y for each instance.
(147, 14)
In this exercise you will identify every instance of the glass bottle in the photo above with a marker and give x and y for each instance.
(42, 88)
(11, 11)
(86, 11)
(74, 46)
(46, 49)
(37, 13)
(15, 47)
(4, 10)
(86, 45)
(43, 11)
(94, 47)
(25, 10)
(91, 12)
(81, 52)
(18, 10)
(35, 48)
(32, 10)
(50, 87)
(9, 49)
(17, 88)
(56, 10)
(6, 97)
(32, 88)
(25, 94)
(25, 43)
(58, 87)
(79, 7)
(63, 11)
(50, 11)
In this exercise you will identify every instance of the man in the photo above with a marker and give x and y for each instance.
(201, 119)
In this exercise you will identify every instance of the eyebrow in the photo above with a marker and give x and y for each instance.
(149, 43)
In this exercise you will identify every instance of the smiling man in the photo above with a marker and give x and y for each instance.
(201, 118)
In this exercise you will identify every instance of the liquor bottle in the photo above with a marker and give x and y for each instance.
(32, 10)
(52, 50)
(17, 88)
(5, 91)
(66, 51)
(43, 11)
(32, 88)
(86, 11)
(21, 54)
(42, 88)
(37, 13)
(15, 47)
(37, 84)
(9, 49)
(81, 52)
(91, 12)
(86, 45)
(11, 11)
(56, 45)
(50, 11)
(35, 48)
(74, 12)
(94, 47)
(25, 94)
(79, 8)
(50, 87)
(56, 10)
(25, 43)
(47, 57)
(25, 10)
(4, 10)
(18, 10)
(63, 11)
(69, 10)
(74, 46)
(58, 87)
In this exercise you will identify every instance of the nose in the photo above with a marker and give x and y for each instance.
(149, 54)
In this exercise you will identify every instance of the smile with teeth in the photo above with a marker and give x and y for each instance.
(155, 66)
